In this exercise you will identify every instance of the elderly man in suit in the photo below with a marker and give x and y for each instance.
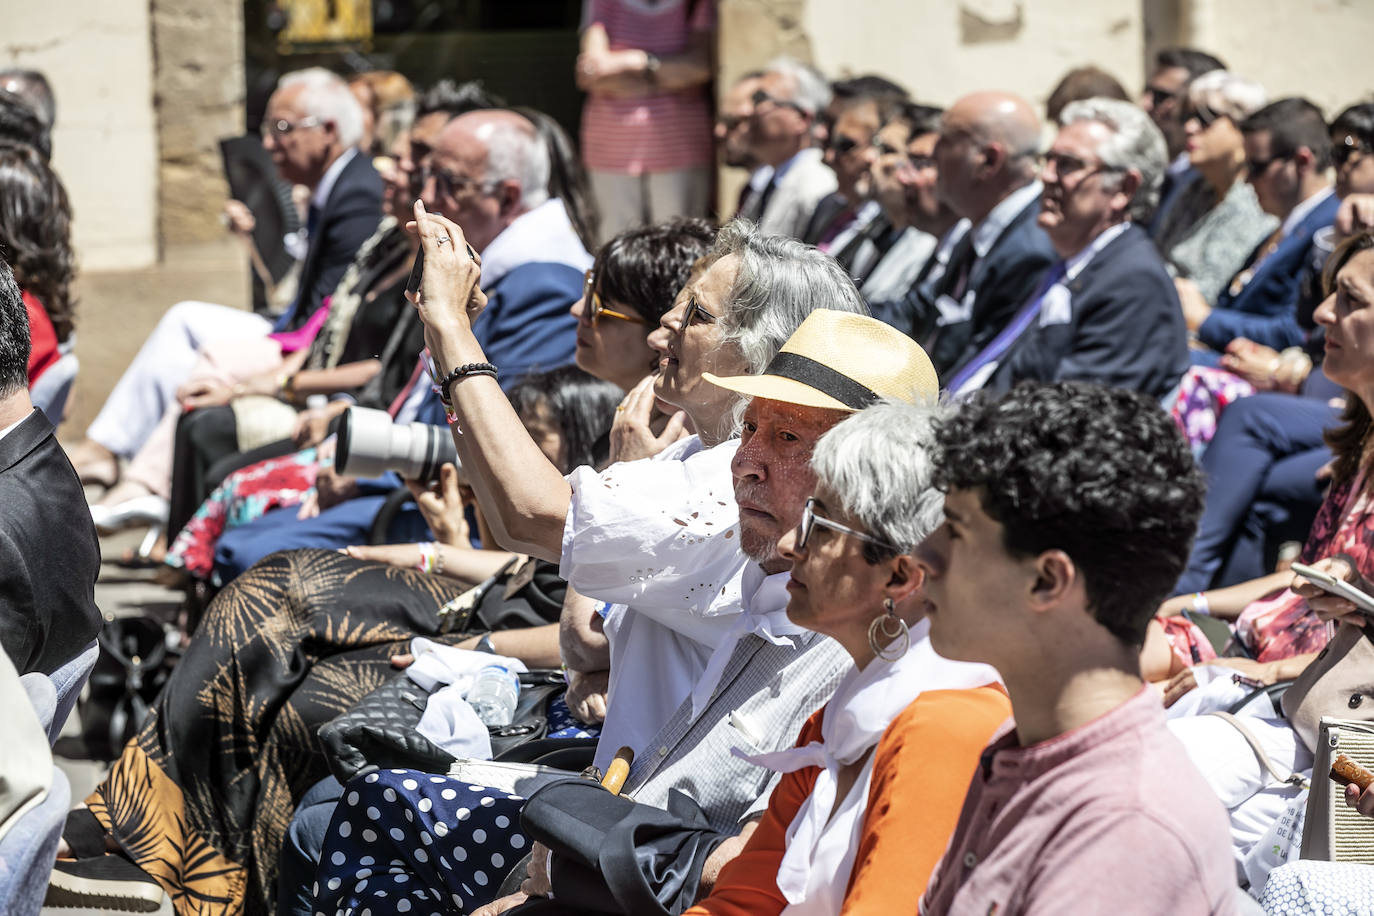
(1287, 155)
(782, 134)
(1105, 311)
(312, 127)
(49, 556)
(986, 160)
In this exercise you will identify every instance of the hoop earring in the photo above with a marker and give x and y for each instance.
(892, 630)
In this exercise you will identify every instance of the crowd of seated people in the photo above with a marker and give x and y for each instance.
(911, 522)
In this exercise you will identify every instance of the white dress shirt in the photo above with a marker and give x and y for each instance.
(659, 538)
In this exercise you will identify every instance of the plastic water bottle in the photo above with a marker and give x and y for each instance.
(493, 695)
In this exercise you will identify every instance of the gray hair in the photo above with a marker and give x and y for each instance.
(780, 282)
(1135, 143)
(878, 464)
(812, 92)
(516, 153)
(1225, 93)
(326, 96)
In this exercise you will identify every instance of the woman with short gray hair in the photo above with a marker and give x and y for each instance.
(874, 785)
(1216, 221)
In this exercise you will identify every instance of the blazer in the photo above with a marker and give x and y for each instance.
(49, 554)
(1265, 308)
(998, 283)
(348, 218)
(796, 194)
(1124, 326)
(827, 209)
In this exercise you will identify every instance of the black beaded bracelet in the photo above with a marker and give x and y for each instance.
(462, 372)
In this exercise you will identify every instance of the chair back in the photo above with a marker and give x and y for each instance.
(49, 394)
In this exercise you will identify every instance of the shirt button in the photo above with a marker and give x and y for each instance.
(970, 859)
(663, 751)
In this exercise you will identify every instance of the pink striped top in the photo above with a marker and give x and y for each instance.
(656, 133)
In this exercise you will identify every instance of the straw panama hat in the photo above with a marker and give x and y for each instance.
(841, 361)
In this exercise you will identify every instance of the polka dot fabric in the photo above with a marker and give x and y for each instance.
(407, 842)
(1310, 888)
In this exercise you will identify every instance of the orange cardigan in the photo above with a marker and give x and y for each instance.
(921, 771)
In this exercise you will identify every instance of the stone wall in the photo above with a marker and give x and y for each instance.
(198, 92)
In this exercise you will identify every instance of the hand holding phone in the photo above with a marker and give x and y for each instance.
(1338, 587)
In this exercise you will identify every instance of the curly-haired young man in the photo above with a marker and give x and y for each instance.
(1069, 510)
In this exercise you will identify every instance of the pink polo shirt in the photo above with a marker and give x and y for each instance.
(1109, 818)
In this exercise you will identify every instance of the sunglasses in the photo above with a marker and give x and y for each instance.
(594, 308)
(1204, 116)
(1349, 147)
(841, 145)
(1256, 167)
(760, 97)
(694, 311)
(1160, 96)
(281, 127)
(810, 520)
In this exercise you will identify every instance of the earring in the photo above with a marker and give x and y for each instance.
(886, 631)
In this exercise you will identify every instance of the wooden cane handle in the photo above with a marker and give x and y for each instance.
(617, 770)
(1347, 772)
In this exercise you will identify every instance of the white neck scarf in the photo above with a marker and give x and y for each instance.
(863, 706)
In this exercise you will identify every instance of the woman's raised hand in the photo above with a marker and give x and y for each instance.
(632, 435)
(1327, 605)
(450, 292)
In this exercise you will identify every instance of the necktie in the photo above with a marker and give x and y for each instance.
(1014, 329)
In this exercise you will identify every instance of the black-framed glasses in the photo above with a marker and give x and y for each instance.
(593, 306)
(449, 183)
(280, 127)
(1068, 167)
(761, 97)
(809, 521)
(1256, 167)
(841, 145)
(1349, 147)
(1160, 96)
(695, 310)
(1204, 116)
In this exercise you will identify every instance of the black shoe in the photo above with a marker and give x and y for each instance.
(84, 835)
(106, 882)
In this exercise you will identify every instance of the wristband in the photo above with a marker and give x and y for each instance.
(427, 552)
(444, 386)
(1201, 605)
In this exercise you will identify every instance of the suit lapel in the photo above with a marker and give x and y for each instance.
(32, 432)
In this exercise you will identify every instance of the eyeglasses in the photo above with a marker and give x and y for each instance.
(840, 144)
(1067, 167)
(810, 520)
(1160, 96)
(450, 184)
(1256, 167)
(903, 158)
(281, 127)
(695, 310)
(1204, 116)
(760, 97)
(1347, 148)
(594, 308)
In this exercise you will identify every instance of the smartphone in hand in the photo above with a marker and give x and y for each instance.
(417, 273)
(1338, 587)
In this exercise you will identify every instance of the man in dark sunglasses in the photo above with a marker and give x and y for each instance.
(782, 136)
(1166, 92)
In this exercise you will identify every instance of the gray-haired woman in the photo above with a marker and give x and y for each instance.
(865, 795)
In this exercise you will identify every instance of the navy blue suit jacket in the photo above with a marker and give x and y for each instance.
(1265, 310)
(1001, 282)
(349, 217)
(1125, 327)
(527, 326)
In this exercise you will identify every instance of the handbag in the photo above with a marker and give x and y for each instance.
(1333, 831)
(133, 666)
(1339, 682)
(380, 731)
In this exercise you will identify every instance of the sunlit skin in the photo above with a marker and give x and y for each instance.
(613, 349)
(732, 124)
(923, 207)
(1348, 317)
(1217, 150)
(303, 155)
(778, 131)
(834, 590)
(482, 209)
(686, 352)
(1079, 203)
(982, 136)
(424, 133)
(884, 163)
(1276, 183)
(772, 471)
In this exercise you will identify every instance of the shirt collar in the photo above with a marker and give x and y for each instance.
(1075, 264)
(331, 177)
(986, 232)
(780, 171)
(544, 234)
(1301, 211)
(1182, 163)
(950, 239)
(1006, 758)
(759, 178)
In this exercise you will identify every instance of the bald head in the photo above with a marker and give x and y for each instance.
(986, 151)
